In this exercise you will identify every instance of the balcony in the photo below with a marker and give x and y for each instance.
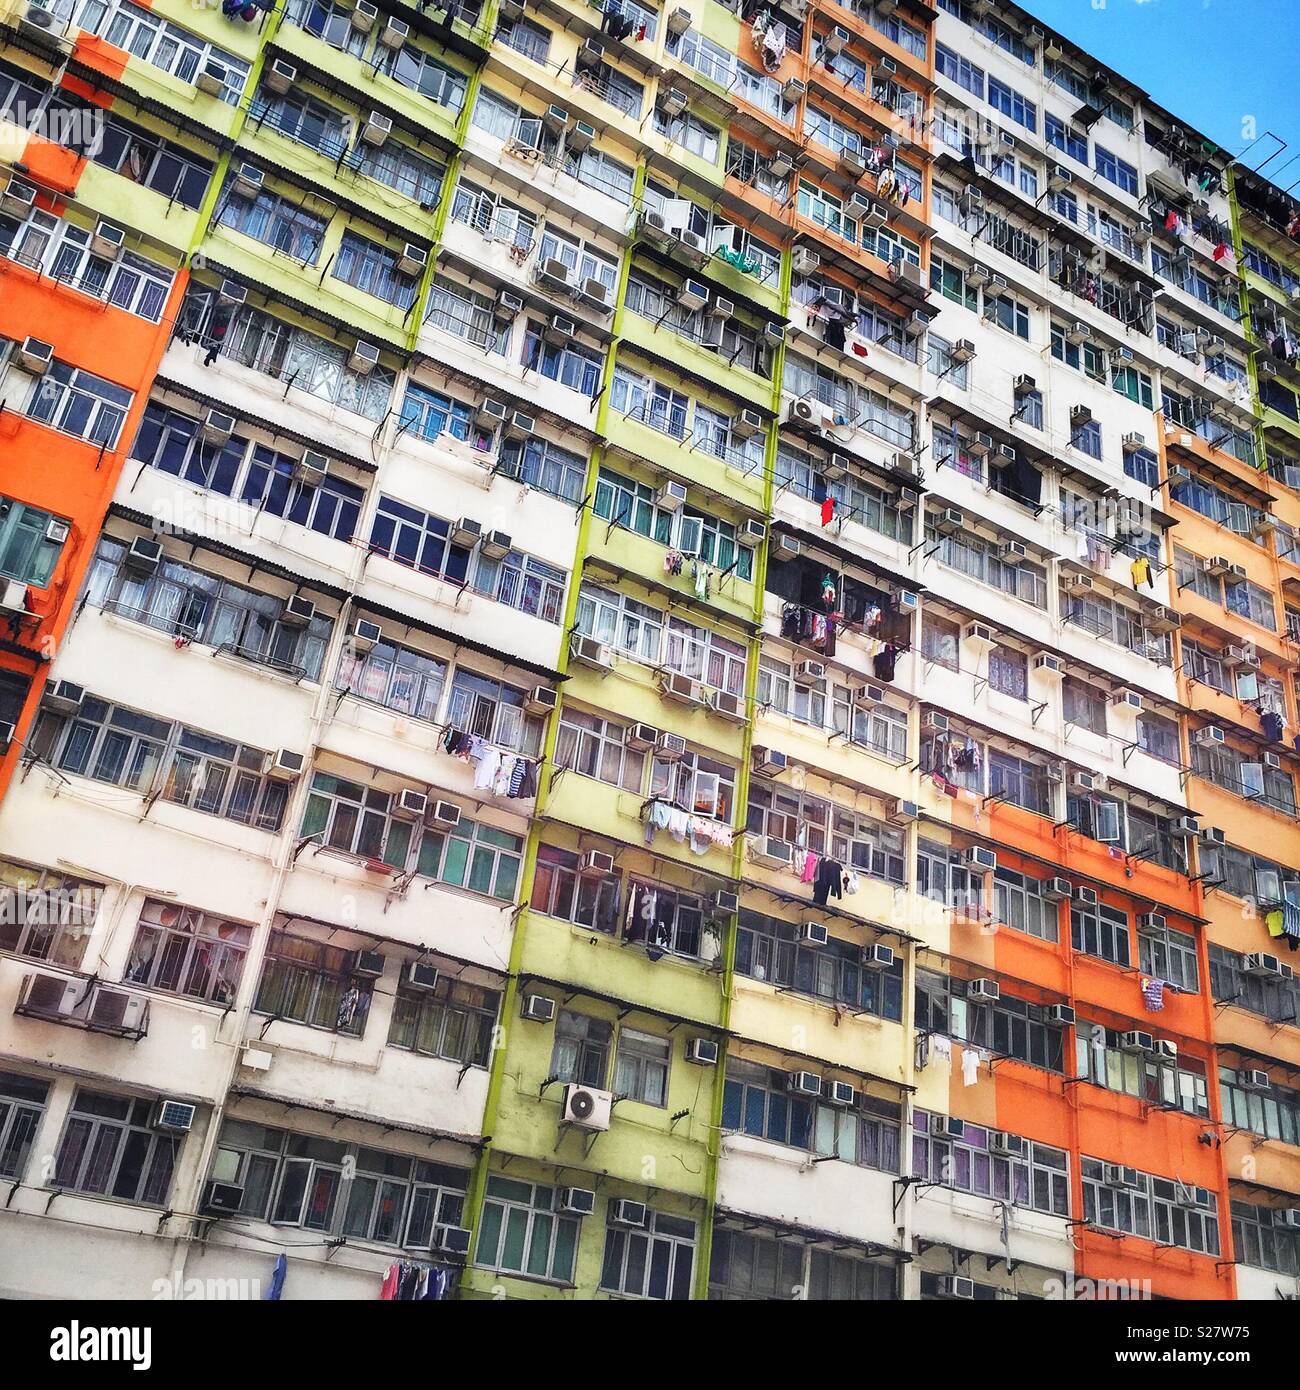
(86, 1004)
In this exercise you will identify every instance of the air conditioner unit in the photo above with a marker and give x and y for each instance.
(576, 1201)
(420, 975)
(284, 765)
(107, 241)
(850, 161)
(232, 292)
(466, 532)
(1077, 334)
(542, 699)
(949, 522)
(1254, 1080)
(985, 991)
(1260, 963)
(1046, 664)
(1185, 827)
(878, 957)
(218, 427)
(843, 1094)
(804, 261)
(410, 805)
(1060, 1015)
(452, 1240)
(903, 812)
(18, 198)
(144, 556)
(671, 497)
(770, 853)
(596, 861)
(947, 1127)
(934, 722)
(445, 815)
(1136, 1040)
(780, 165)
(813, 934)
(496, 545)
(1085, 895)
(363, 16)
(1134, 442)
(298, 611)
(1151, 921)
(1212, 835)
(377, 128)
(51, 995)
(1208, 736)
(413, 259)
(35, 356)
(769, 760)
(747, 425)
(626, 1213)
(673, 101)
(704, 1052)
(1009, 1145)
(1078, 584)
(1056, 890)
(560, 329)
(956, 1286)
(365, 635)
(977, 857)
(280, 76)
(726, 903)
(1118, 1175)
(367, 965)
(1126, 701)
(804, 1083)
(364, 358)
(980, 635)
(173, 1116)
(810, 671)
(729, 706)
(312, 469)
(674, 686)
(212, 77)
(394, 33)
(587, 1108)
(63, 697)
(222, 1196)
(538, 1008)
(1166, 1049)
(792, 90)
(670, 748)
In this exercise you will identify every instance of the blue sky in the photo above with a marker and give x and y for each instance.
(1216, 63)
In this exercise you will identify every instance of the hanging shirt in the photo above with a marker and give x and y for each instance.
(828, 515)
(1140, 569)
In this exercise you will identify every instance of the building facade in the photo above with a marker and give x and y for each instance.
(651, 654)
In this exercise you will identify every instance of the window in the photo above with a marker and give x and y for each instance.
(429, 414)
(1009, 672)
(149, 37)
(274, 220)
(1101, 1059)
(1019, 782)
(611, 617)
(338, 1188)
(664, 919)
(398, 167)
(128, 749)
(657, 1263)
(848, 1277)
(1098, 930)
(319, 126)
(464, 313)
(418, 539)
(1011, 1027)
(1018, 903)
(748, 1265)
(311, 982)
(545, 466)
(522, 582)
(1111, 167)
(173, 443)
(641, 1067)
(372, 268)
(109, 1148)
(45, 914)
(494, 711)
(596, 747)
(1260, 1239)
(74, 402)
(422, 73)
(696, 784)
(183, 601)
(582, 1049)
(1067, 139)
(1158, 737)
(1011, 103)
(396, 677)
(1170, 955)
(770, 951)
(1156, 1209)
(520, 1232)
(1270, 996)
(183, 951)
(959, 70)
(22, 1103)
(979, 559)
(1040, 1182)
(571, 365)
(940, 641)
(475, 857)
(1008, 314)
(705, 655)
(757, 1101)
(690, 133)
(455, 1021)
(1087, 438)
(30, 543)
(1083, 706)
(561, 890)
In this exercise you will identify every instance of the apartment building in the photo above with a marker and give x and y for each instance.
(668, 663)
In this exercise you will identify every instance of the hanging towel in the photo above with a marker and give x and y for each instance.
(1153, 994)
(277, 1279)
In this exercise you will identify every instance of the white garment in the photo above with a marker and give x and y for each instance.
(942, 1047)
(970, 1065)
(486, 771)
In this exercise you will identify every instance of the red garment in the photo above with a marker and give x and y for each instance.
(828, 511)
(388, 1291)
(860, 349)
(1221, 250)
(1171, 221)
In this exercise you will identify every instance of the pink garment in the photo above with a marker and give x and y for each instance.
(809, 868)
